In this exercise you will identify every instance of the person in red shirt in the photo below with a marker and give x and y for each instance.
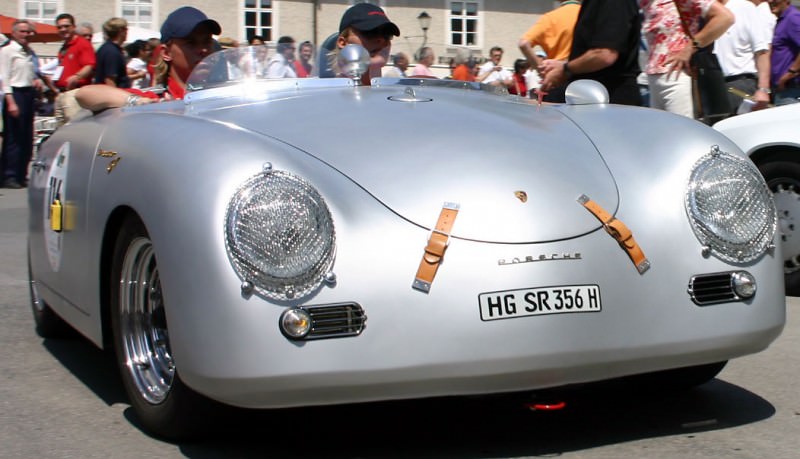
(518, 85)
(186, 38)
(302, 66)
(76, 57)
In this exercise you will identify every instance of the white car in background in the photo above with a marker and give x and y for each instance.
(772, 140)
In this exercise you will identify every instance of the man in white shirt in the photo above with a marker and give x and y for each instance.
(281, 65)
(20, 85)
(3, 40)
(765, 13)
(743, 53)
(492, 72)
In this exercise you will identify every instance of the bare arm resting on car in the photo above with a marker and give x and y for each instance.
(97, 97)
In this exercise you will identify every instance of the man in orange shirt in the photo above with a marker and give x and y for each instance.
(553, 33)
(462, 71)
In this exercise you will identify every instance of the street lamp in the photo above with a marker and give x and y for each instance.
(424, 23)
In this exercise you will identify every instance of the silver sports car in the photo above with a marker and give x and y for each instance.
(281, 243)
(772, 140)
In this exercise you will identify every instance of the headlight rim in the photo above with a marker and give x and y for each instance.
(248, 268)
(713, 240)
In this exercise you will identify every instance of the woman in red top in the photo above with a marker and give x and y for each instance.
(518, 85)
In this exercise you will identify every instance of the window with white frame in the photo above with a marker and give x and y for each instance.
(138, 13)
(258, 19)
(464, 23)
(41, 10)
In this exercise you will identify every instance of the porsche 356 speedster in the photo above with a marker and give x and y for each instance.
(283, 243)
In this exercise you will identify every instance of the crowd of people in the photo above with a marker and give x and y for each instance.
(30, 88)
(640, 50)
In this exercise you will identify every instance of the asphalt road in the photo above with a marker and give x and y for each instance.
(62, 398)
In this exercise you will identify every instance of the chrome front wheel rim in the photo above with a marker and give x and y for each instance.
(787, 201)
(143, 325)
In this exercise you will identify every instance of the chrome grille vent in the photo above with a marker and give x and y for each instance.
(712, 288)
(335, 321)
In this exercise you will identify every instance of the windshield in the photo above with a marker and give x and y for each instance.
(260, 63)
(234, 65)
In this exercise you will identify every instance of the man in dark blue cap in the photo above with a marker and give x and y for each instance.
(186, 38)
(366, 25)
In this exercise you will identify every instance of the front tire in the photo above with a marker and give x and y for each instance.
(162, 402)
(783, 179)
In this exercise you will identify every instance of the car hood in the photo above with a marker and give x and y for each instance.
(516, 170)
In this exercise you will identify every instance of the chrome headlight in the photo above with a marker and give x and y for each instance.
(279, 234)
(730, 207)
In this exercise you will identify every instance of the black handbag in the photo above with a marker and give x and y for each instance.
(709, 87)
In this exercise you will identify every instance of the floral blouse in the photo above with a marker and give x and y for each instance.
(664, 31)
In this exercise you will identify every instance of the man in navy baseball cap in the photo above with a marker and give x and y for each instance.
(183, 21)
(366, 17)
(362, 24)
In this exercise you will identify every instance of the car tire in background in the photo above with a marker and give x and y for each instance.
(163, 404)
(48, 323)
(782, 174)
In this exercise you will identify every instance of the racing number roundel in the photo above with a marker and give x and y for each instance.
(54, 206)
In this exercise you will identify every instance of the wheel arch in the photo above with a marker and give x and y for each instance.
(112, 228)
(780, 166)
(775, 152)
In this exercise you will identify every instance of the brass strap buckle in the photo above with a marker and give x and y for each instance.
(438, 241)
(619, 231)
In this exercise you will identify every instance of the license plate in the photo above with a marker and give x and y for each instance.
(565, 299)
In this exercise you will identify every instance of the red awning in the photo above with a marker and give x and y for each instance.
(44, 32)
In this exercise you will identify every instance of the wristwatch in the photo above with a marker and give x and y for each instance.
(766, 90)
(132, 100)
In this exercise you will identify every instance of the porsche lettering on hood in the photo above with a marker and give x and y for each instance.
(441, 142)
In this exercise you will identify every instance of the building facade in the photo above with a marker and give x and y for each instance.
(474, 25)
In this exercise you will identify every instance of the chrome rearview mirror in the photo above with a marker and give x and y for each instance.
(586, 92)
(353, 61)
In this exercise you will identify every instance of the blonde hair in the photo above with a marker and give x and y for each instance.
(161, 71)
(114, 27)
